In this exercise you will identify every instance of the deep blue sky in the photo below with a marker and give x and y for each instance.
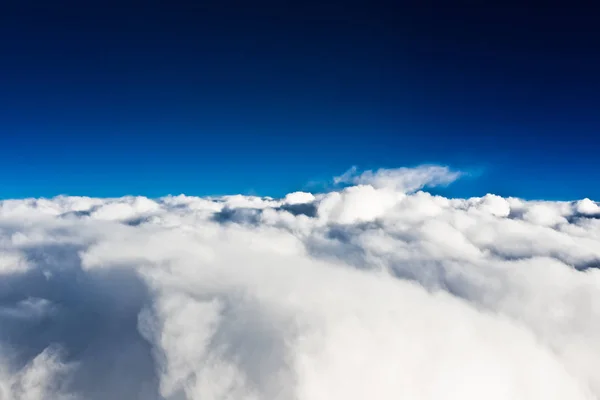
(156, 97)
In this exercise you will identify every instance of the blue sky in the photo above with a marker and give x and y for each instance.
(106, 99)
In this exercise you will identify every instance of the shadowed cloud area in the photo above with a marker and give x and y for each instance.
(376, 289)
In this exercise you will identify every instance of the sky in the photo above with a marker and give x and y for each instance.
(276, 200)
(206, 98)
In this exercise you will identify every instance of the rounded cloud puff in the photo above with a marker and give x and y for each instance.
(587, 207)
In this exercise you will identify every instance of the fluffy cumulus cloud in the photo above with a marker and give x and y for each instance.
(376, 290)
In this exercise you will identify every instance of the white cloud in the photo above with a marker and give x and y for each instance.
(299, 198)
(587, 207)
(377, 290)
(401, 179)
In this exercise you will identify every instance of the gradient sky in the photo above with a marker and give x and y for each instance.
(167, 97)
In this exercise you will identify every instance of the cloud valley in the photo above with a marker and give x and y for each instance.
(374, 290)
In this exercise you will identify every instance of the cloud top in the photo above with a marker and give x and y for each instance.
(375, 290)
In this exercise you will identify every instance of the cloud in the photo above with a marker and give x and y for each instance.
(588, 207)
(375, 290)
(401, 179)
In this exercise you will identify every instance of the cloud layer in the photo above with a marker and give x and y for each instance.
(374, 291)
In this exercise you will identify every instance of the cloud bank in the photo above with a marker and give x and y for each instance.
(377, 290)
